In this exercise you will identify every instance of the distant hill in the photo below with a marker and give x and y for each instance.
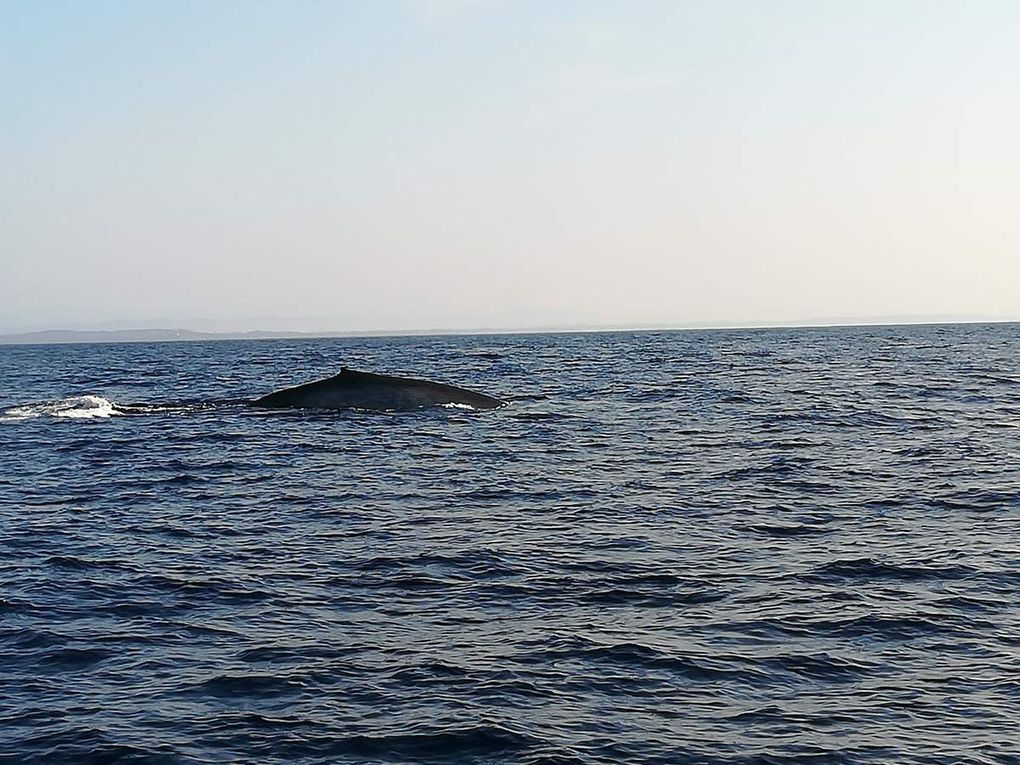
(50, 336)
(70, 336)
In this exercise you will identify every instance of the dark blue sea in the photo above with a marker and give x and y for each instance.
(741, 546)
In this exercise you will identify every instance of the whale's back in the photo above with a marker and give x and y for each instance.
(351, 389)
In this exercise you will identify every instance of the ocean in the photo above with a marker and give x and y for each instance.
(731, 546)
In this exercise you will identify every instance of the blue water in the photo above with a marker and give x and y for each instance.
(771, 546)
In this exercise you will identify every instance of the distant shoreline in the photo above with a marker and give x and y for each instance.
(74, 337)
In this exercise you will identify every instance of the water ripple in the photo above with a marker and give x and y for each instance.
(783, 546)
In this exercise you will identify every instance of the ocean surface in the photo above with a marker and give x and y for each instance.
(746, 546)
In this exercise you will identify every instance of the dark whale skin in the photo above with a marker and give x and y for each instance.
(351, 389)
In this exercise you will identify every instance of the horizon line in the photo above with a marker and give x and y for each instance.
(192, 335)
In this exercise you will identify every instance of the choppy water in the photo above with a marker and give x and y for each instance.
(781, 546)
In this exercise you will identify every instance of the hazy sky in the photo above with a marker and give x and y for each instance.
(449, 163)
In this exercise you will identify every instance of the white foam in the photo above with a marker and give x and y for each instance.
(75, 407)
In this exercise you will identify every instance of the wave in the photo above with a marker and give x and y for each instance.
(75, 407)
(90, 406)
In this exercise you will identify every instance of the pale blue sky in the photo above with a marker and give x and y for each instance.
(383, 165)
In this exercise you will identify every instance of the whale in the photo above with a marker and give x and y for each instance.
(351, 389)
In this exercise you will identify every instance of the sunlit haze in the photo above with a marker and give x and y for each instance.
(415, 165)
